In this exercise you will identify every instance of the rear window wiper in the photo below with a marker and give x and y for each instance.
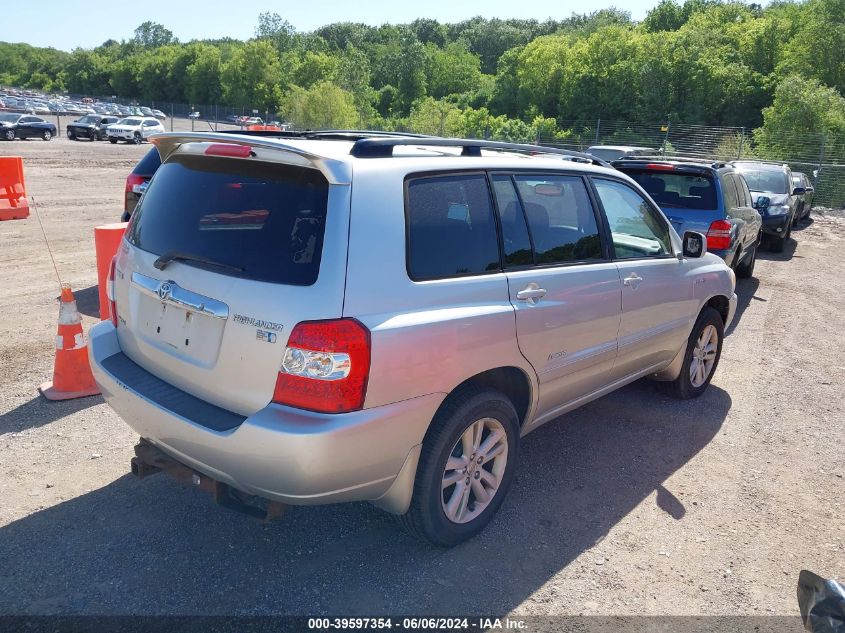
(172, 256)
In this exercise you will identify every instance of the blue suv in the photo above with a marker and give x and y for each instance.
(709, 197)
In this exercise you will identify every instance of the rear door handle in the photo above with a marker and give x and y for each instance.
(531, 293)
(632, 280)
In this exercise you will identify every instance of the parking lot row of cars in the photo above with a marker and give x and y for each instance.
(37, 103)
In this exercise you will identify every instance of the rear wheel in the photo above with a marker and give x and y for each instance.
(466, 466)
(94, 135)
(47, 135)
(745, 269)
(704, 348)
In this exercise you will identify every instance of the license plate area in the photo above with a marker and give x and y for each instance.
(182, 324)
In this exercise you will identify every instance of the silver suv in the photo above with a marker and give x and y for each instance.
(326, 319)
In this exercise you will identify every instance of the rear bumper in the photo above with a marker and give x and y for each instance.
(776, 225)
(282, 453)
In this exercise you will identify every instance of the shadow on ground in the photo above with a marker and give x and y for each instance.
(88, 301)
(40, 411)
(746, 290)
(154, 547)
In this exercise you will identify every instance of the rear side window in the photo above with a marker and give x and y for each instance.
(729, 192)
(560, 218)
(451, 229)
(260, 221)
(678, 190)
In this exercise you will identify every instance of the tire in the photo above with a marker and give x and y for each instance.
(745, 270)
(9, 135)
(71, 136)
(137, 139)
(94, 135)
(465, 410)
(684, 386)
(112, 140)
(47, 135)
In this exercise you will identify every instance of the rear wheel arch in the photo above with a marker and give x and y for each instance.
(511, 381)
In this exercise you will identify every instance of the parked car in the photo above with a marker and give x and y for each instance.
(252, 346)
(708, 197)
(137, 181)
(193, 115)
(91, 126)
(805, 201)
(159, 114)
(615, 152)
(254, 120)
(774, 196)
(14, 126)
(134, 129)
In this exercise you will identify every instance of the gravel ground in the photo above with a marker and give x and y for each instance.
(635, 504)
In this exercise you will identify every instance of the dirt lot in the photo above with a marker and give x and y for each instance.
(635, 504)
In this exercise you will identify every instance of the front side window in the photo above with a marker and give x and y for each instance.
(636, 228)
(451, 227)
(560, 218)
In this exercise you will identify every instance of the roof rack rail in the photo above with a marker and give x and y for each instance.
(340, 135)
(678, 159)
(383, 148)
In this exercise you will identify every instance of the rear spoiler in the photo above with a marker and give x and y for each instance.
(336, 172)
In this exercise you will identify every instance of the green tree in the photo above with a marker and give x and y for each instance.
(151, 35)
(252, 77)
(803, 113)
(203, 76)
(323, 106)
(452, 70)
(430, 116)
(276, 30)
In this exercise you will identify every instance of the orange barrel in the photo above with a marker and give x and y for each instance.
(106, 241)
(13, 203)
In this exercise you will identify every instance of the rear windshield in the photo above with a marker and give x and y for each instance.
(678, 190)
(606, 153)
(148, 165)
(261, 221)
(768, 180)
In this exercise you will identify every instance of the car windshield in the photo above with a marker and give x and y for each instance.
(129, 122)
(90, 119)
(10, 118)
(767, 180)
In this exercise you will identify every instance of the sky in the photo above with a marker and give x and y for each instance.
(66, 25)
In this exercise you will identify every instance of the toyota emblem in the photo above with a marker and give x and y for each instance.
(164, 290)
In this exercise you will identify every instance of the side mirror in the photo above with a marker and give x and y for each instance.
(762, 202)
(695, 244)
(799, 191)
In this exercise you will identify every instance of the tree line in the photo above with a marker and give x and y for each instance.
(779, 69)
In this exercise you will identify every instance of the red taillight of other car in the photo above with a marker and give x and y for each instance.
(110, 292)
(719, 235)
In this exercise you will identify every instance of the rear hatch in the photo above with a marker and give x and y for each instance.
(226, 252)
(687, 194)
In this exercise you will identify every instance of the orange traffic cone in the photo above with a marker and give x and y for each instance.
(72, 377)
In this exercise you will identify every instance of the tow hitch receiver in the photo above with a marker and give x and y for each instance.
(149, 460)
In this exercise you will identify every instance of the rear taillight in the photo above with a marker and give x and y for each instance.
(133, 183)
(110, 292)
(660, 167)
(719, 235)
(325, 367)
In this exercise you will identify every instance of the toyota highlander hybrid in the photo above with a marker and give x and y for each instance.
(344, 317)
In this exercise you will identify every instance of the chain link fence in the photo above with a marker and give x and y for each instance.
(816, 155)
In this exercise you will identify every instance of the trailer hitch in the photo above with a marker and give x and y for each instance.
(150, 460)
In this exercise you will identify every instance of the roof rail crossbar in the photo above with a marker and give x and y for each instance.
(781, 163)
(383, 148)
